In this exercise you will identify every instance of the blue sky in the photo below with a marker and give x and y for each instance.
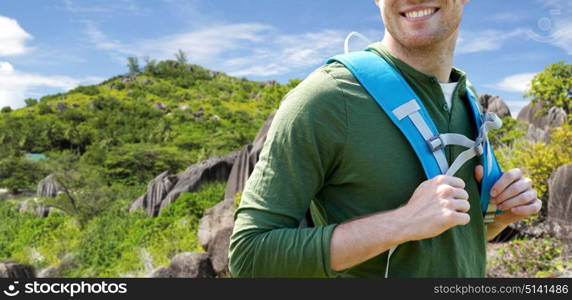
(53, 46)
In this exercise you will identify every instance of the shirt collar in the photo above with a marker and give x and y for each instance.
(457, 75)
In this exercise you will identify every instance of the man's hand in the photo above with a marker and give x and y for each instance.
(513, 194)
(437, 205)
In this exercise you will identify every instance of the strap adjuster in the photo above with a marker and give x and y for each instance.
(435, 143)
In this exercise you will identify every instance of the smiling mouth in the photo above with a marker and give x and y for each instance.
(419, 13)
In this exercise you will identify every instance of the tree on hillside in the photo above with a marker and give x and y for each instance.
(181, 57)
(133, 65)
(19, 173)
(6, 109)
(84, 193)
(553, 87)
(30, 102)
(150, 65)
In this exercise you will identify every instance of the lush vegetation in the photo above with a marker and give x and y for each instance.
(529, 258)
(115, 243)
(164, 116)
(541, 256)
(553, 87)
(18, 173)
(103, 144)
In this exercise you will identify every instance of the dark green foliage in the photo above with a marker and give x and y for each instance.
(6, 109)
(43, 108)
(553, 87)
(19, 173)
(181, 57)
(111, 139)
(115, 243)
(510, 131)
(195, 204)
(91, 90)
(85, 194)
(139, 163)
(133, 65)
(30, 102)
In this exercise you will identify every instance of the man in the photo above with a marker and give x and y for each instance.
(331, 148)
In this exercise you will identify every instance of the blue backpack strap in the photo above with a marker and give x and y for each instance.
(400, 103)
(407, 112)
(491, 168)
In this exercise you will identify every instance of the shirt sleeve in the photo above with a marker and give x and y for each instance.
(304, 145)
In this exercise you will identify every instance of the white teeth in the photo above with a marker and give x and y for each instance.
(420, 13)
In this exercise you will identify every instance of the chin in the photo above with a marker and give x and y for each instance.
(419, 41)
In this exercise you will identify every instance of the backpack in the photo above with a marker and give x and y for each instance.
(396, 98)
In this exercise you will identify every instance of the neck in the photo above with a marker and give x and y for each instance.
(436, 59)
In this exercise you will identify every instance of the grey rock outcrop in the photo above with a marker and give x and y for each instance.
(246, 160)
(216, 225)
(157, 190)
(12, 269)
(165, 189)
(560, 203)
(33, 206)
(218, 251)
(215, 229)
(494, 104)
(186, 265)
(47, 187)
(61, 106)
(540, 126)
(215, 219)
(130, 78)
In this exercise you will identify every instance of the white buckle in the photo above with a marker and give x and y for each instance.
(435, 143)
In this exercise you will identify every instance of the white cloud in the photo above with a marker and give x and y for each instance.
(12, 38)
(241, 49)
(287, 53)
(517, 83)
(101, 41)
(486, 40)
(562, 36)
(208, 44)
(15, 86)
(104, 7)
(554, 27)
(6, 68)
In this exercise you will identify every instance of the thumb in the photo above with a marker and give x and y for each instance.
(479, 173)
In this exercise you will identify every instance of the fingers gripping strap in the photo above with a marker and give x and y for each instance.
(390, 90)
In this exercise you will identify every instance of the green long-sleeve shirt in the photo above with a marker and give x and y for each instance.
(332, 147)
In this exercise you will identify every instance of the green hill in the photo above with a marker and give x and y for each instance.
(168, 116)
(118, 135)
